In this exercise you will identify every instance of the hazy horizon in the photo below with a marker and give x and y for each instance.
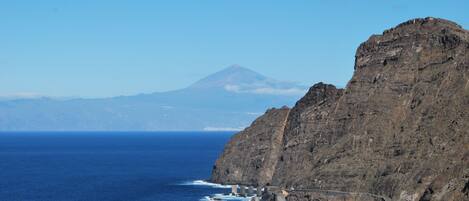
(108, 48)
(296, 92)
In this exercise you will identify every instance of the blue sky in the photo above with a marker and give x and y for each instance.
(111, 47)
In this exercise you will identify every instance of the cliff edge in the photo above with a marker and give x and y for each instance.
(250, 157)
(399, 129)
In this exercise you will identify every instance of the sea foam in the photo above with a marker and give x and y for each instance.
(225, 197)
(205, 183)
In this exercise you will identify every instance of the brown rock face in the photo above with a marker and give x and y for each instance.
(251, 155)
(307, 129)
(399, 129)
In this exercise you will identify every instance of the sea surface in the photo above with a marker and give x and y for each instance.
(109, 166)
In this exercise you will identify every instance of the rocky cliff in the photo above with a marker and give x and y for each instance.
(400, 128)
(251, 156)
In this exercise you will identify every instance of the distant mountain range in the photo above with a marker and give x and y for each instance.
(226, 100)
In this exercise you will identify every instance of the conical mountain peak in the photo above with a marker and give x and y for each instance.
(238, 79)
(232, 75)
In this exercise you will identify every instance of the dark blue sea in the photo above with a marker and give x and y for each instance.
(109, 166)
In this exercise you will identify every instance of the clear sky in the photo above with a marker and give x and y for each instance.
(112, 47)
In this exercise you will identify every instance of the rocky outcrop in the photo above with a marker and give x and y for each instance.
(400, 128)
(251, 156)
(307, 129)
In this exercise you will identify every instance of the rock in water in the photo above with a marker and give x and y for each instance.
(400, 129)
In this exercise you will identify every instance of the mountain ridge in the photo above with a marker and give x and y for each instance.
(190, 108)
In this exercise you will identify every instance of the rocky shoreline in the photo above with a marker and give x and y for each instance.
(399, 129)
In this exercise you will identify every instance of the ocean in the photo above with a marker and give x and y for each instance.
(109, 166)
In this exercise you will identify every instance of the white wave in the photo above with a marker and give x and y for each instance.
(205, 183)
(225, 197)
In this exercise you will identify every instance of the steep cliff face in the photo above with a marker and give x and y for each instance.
(399, 129)
(251, 155)
(307, 128)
